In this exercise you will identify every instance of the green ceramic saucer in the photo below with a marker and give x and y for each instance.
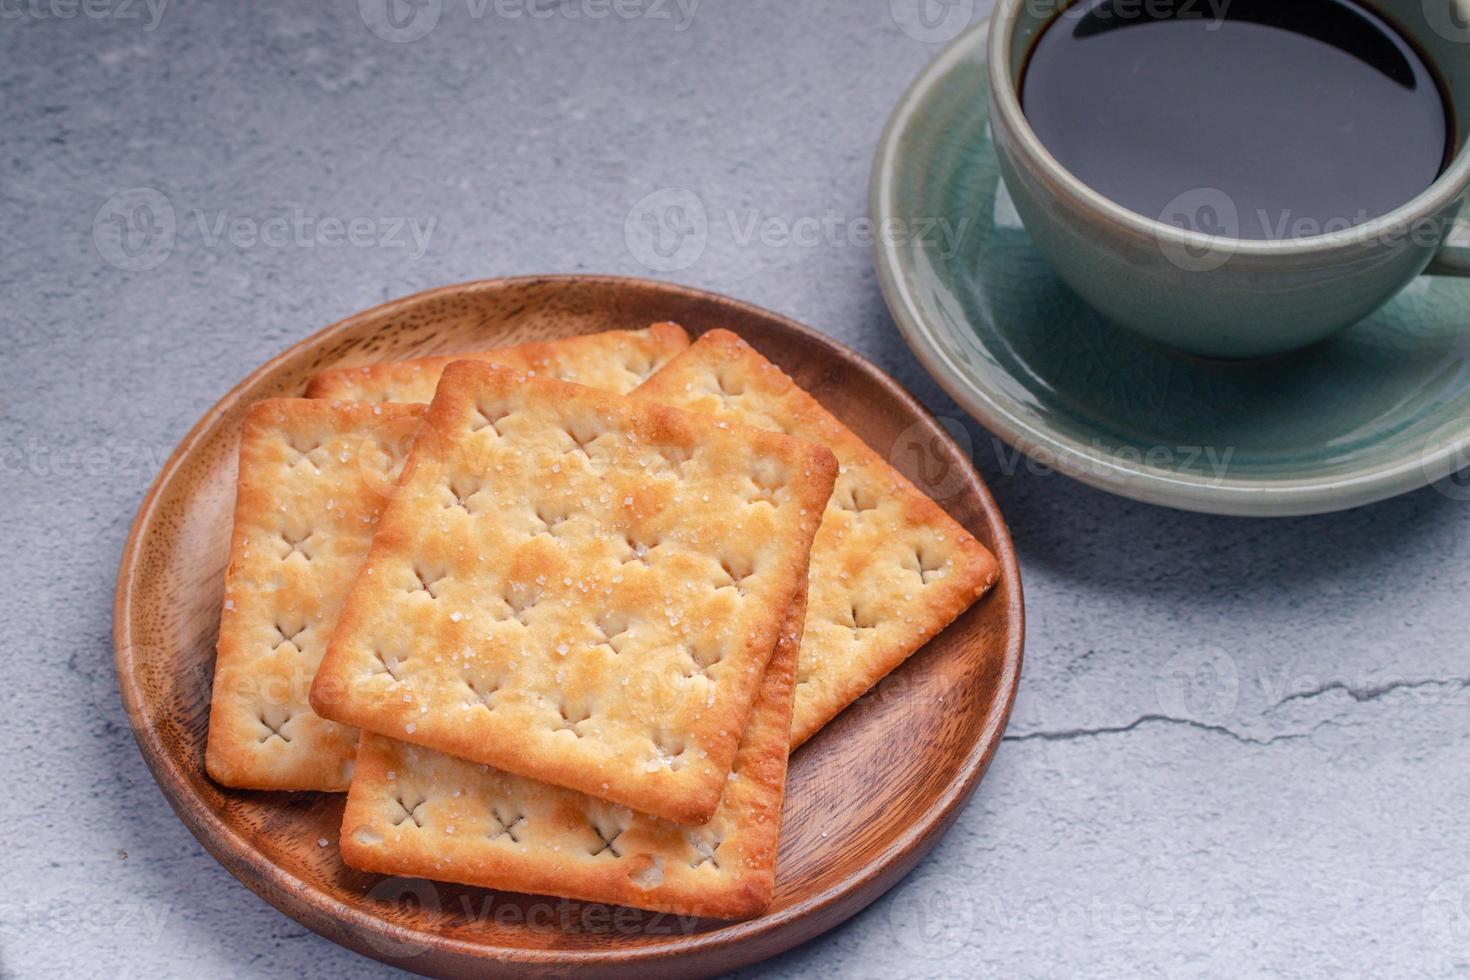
(1377, 410)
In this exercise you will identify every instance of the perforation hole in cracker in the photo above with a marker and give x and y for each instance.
(668, 752)
(767, 482)
(461, 490)
(605, 833)
(588, 442)
(639, 548)
(701, 659)
(287, 631)
(854, 497)
(295, 544)
(482, 694)
(507, 823)
(487, 419)
(928, 561)
(706, 850)
(424, 579)
(304, 450)
(611, 631)
(522, 598)
(738, 571)
(572, 713)
(858, 617)
(409, 805)
(387, 662)
(274, 719)
(550, 519)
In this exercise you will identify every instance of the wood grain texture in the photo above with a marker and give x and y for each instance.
(868, 796)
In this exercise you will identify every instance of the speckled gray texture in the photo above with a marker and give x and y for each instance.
(1241, 747)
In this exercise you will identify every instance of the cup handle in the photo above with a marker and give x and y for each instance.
(1452, 260)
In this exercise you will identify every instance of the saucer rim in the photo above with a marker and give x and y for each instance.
(1007, 418)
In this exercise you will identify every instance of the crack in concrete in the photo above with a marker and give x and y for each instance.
(1363, 695)
(1067, 735)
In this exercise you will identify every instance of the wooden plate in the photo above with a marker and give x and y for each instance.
(868, 796)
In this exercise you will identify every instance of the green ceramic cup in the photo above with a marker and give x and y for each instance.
(1227, 297)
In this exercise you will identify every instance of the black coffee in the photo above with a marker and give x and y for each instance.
(1248, 118)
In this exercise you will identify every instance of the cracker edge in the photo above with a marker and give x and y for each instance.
(666, 337)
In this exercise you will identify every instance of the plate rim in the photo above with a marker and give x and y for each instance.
(1004, 415)
(314, 906)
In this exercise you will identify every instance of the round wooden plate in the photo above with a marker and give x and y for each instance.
(868, 796)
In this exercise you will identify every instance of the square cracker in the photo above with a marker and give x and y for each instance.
(577, 587)
(615, 360)
(889, 568)
(314, 478)
(412, 811)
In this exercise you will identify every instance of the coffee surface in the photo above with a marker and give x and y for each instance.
(1257, 119)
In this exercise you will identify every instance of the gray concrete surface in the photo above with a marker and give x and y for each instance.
(1240, 748)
